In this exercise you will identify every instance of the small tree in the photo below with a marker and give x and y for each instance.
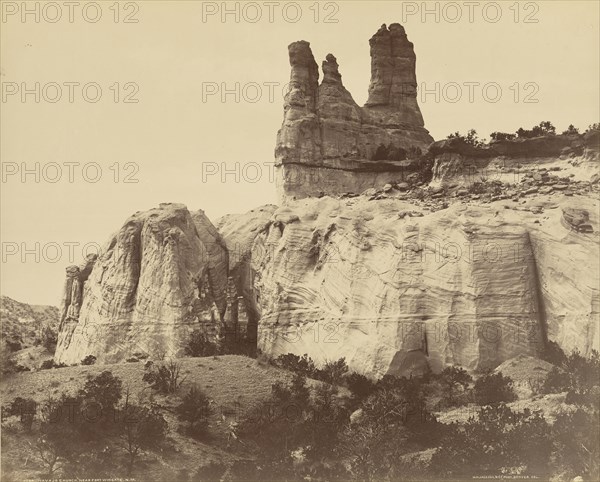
(25, 409)
(492, 389)
(454, 380)
(571, 130)
(49, 338)
(502, 136)
(141, 428)
(593, 127)
(333, 371)
(294, 363)
(195, 410)
(104, 389)
(164, 378)
(360, 386)
(470, 138)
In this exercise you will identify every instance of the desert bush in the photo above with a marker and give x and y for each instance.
(577, 375)
(593, 127)
(332, 371)
(25, 409)
(104, 389)
(195, 410)
(571, 130)
(554, 354)
(165, 377)
(492, 389)
(576, 445)
(49, 339)
(502, 136)
(497, 441)
(8, 363)
(360, 385)
(89, 360)
(454, 382)
(47, 364)
(302, 365)
(142, 428)
(394, 421)
(292, 424)
(544, 128)
(199, 345)
(470, 138)
(478, 187)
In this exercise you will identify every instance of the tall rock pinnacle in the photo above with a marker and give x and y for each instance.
(328, 144)
(393, 63)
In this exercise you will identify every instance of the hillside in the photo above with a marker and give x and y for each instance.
(235, 384)
(23, 324)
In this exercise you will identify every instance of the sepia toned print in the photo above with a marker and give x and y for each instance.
(300, 240)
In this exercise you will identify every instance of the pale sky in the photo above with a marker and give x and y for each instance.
(172, 55)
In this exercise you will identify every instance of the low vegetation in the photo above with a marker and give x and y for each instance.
(316, 422)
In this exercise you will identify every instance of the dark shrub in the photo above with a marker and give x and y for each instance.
(25, 409)
(104, 389)
(164, 378)
(360, 386)
(141, 428)
(89, 360)
(302, 365)
(333, 371)
(454, 382)
(491, 389)
(47, 364)
(195, 410)
(199, 345)
(497, 441)
(502, 136)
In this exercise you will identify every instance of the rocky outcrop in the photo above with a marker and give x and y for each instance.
(578, 219)
(151, 286)
(328, 144)
(217, 258)
(456, 162)
(473, 285)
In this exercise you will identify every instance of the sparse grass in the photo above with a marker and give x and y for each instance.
(222, 378)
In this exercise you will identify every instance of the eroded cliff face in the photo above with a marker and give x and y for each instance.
(150, 288)
(472, 284)
(328, 144)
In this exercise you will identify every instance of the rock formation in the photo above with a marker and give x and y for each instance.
(472, 285)
(328, 144)
(398, 262)
(152, 285)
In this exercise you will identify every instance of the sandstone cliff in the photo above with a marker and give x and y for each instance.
(472, 284)
(328, 144)
(152, 285)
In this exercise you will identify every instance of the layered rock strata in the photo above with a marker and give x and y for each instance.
(472, 285)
